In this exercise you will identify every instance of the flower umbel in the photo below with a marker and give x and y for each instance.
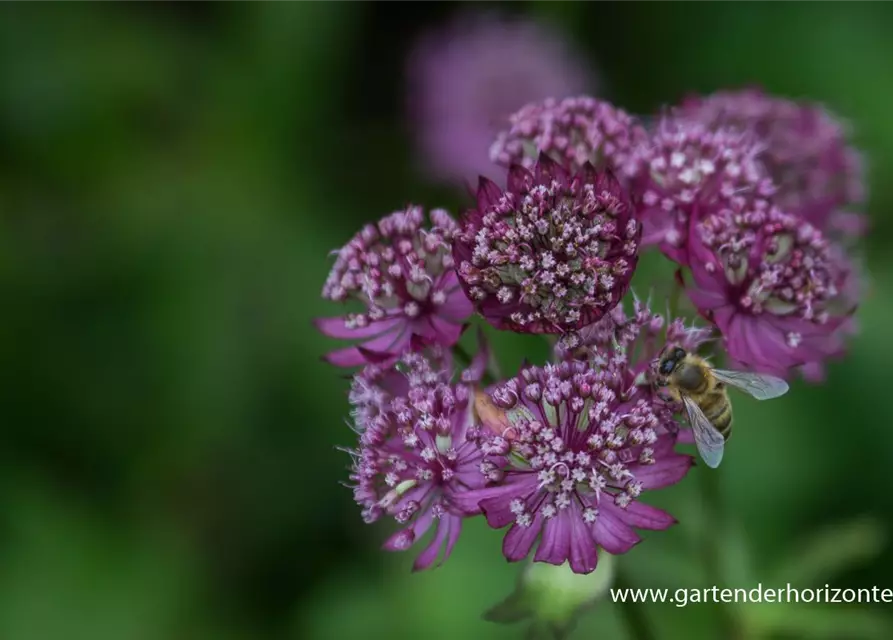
(770, 282)
(403, 274)
(585, 445)
(687, 167)
(572, 131)
(414, 456)
(635, 339)
(551, 253)
(806, 151)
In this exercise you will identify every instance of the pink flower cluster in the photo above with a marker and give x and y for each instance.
(755, 198)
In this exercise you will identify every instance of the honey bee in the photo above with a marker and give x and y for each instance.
(500, 421)
(703, 391)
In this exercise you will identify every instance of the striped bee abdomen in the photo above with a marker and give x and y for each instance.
(718, 410)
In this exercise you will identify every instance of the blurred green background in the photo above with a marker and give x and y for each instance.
(172, 178)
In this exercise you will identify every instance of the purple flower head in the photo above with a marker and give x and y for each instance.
(413, 456)
(553, 252)
(465, 81)
(585, 444)
(573, 131)
(688, 167)
(635, 340)
(403, 275)
(641, 334)
(772, 283)
(806, 151)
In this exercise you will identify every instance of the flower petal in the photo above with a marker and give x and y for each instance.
(583, 553)
(346, 357)
(497, 498)
(555, 544)
(518, 541)
(612, 533)
(668, 468)
(455, 528)
(400, 541)
(336, 328)
(427, 557)
(638, 514)
(498, 510)
(457, 307)
(442, 331)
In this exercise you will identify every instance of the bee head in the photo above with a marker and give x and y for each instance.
(670, 359)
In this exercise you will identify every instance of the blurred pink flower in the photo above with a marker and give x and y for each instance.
(466, 79)
(806, 149)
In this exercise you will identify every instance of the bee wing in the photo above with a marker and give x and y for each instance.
(710, 442)
(760, 386)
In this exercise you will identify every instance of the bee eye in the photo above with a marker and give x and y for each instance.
(679, 354)
(666, 367)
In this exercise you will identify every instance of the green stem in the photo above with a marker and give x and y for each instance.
(675, 296)
(711, 544)
(711, 500)
(632, 613)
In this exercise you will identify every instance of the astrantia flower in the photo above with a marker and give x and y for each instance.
(817, 174)
(641, 334)
(635, 340)
(688, 167)
(403, 274)
(585, 444)
(552, 252)
(465, 81)
(771, 283)
(573, 131)
(414, 458)
(806, 151)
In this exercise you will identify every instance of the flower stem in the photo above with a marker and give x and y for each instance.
(712, 536)
(675, 296)
(631, 612)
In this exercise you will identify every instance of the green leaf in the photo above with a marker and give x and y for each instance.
(832, 551)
